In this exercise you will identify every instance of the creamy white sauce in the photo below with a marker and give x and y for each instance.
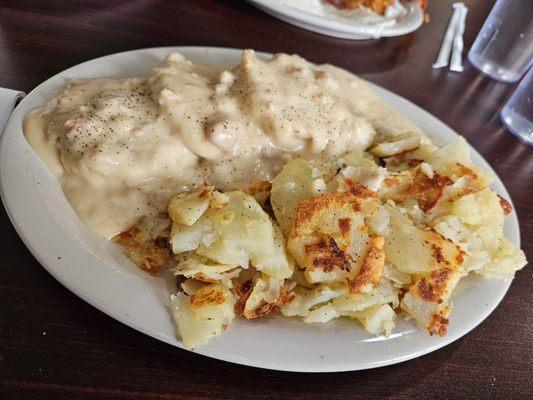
(122, 148)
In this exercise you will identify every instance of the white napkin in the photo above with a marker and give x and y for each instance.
(8, 101)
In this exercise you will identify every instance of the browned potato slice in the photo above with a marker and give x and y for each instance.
(203, 315)
(427, 300)
(147, 252)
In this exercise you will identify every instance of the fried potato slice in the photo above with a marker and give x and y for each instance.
(303, 300)
(397, 145)
(427, 300)
(371, 267)
(146, 244)
(322, 314)
(187, 208)
(368, 241)
(202, 315)
(237, 234)
(368, 176)
(298, 180)
(433, 176)
(428, 191)
(480, 209)
(357, 159)
(453, 161)
(422, 184)
(415, 250)
(331, 241)
(260, 191)
(377, 320)
(260, 296)
(325, 225)
(383, 293)
(506, 259)
(476, 224)
(205, 270)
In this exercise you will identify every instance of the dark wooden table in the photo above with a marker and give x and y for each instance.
(55, 346)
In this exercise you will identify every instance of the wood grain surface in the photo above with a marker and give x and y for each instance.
(55, 346)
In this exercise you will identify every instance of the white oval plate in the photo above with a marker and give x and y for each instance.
(98, 272)
(336, 27)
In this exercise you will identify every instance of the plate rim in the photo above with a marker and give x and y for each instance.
(39, 253)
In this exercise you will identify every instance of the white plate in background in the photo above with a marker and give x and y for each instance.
(98, 272)
(341, 28)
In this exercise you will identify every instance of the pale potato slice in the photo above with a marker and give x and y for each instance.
(303, 300)
(477, 254)
(191, 286)
(480, 209)
(187, 208)
(370, 177)
(397, 145)
(322, 314)
(444, 159)
(384, 293)
(202, 315)
(260, 191)
(415, 250)
(400, 279)
(248, 236)
(280, 264)
(421, 153)
(482, 214)
(264, 294)
(358, 160)
(506, 259)
(295, 183)
(237, 234)
(377, 320)
(218, 201)
(187, 238)
(410, 159)
(321, 275)
(205, 270)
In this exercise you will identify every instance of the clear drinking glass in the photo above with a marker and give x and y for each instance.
(517, 113)
(503, 48)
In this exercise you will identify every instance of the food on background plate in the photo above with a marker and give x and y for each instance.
(378, 6)
(371, 17)
(353, 20)
(274, 186)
